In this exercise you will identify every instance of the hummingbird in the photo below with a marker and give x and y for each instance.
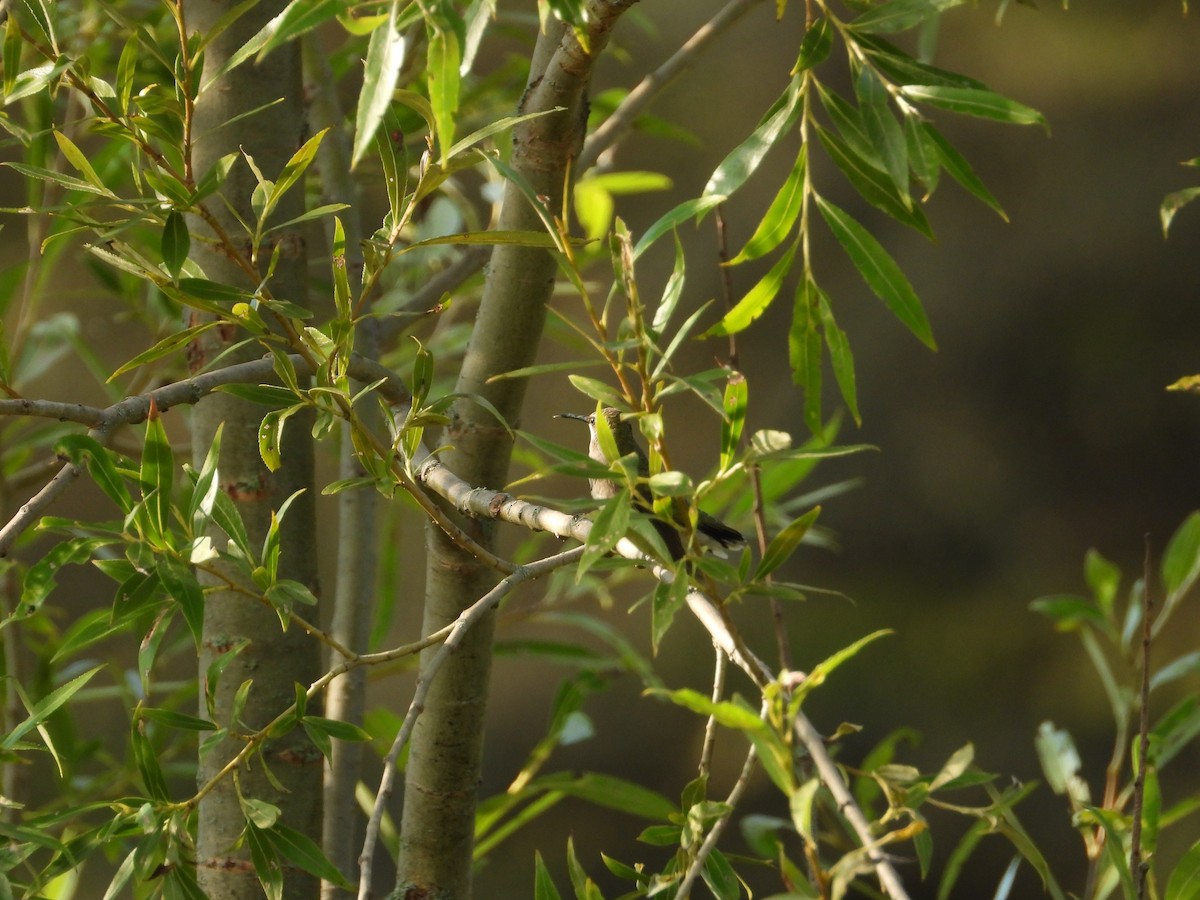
(715, 531)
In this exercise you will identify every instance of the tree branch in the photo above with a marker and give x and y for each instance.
(615, 126)
(458, 630)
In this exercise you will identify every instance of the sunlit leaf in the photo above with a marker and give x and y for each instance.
(879, 270)
(756, 300)
(780, 216)
(385, 56)
(975, 102)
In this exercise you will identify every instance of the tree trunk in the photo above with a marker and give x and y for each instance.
(274, 659)
(444, 758)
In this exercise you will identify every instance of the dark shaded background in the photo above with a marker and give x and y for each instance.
(1039, 429)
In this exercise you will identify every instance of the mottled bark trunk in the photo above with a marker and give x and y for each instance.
(274, 659)
(444, 758)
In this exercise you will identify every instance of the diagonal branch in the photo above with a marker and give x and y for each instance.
(468, 618)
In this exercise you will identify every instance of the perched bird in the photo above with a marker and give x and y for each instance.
(714, 530)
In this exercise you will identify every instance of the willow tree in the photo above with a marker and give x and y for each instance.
(275, 253)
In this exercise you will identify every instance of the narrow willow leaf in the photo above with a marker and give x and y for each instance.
(923, 154)
(873, 183)
(785, 543)
(673, 290)
(293, 171)
(543, 884)
(496, 127)
(185, 590)
(295, 20)
(840, 356)
(736, 401)
(1184, 883)
(80, 162)
(41, 710)
(975, 102)
(900, 15)
(70, 182)
(300, 849)
(757, 299)
(777, 223)
(667, 600)
(1174, 202)
(879, 270)
(157, 473)
(609, 525)
(883, 129)
(815, 46)
(385, 56)
(597, 390)
(667, 222)
(1181, 560)
(175, 244)
(443, 59)
(960, 170)
(804, 351)
(900, 68)
(12, 54)
(744, 159)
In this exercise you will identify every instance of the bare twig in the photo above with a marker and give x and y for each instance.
(652, 85)
(710, 727)
(461, 625)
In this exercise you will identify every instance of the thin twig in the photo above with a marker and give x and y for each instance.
(615, 126)
(458, 630)
(718, 828)
(710, 727)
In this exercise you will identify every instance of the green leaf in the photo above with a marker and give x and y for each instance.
(1174, 202)
(673, 290)
(840, 356)
(667, 222)
(734, 419)
(613, 793)
(69, 182)
(883, 129)
(804, 351)
(46, 706)
(385, 56)
(744, 159)
(172, 719)
(975, 102)
(299, 849)
(900, 15)
(815, 46)
(785, 542)
(608, 527)
(1184, 883)
(165, 347)
(185, 590)
(1181, 560)
(872, 182)
(597, 390)
(292, 172)
(823, 669)
(720, 878)
(157, 474)
(543, 884)
(442, 63)
(757, 299)
(668, 599)
(100, 466)
(960, 170)
(779, 218)
(724, 712)
(176, 243)
(79, 161)
(879, 270)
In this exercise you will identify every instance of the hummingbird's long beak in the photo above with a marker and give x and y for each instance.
(571, 416)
